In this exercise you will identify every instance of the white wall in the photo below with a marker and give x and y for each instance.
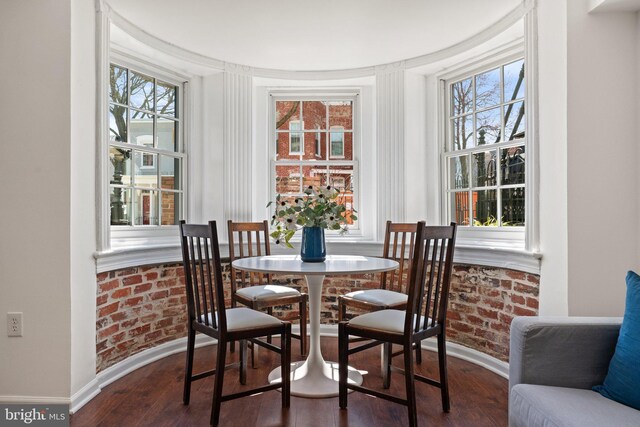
(83, 185)
(552, 113)
(602, 148)
(36, 204)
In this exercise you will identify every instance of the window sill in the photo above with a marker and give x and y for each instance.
(512, 258)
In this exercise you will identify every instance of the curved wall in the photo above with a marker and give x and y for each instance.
(141, 307)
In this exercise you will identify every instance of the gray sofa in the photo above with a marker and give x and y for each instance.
(553, 364)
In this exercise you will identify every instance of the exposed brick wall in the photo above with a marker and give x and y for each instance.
(139, 308)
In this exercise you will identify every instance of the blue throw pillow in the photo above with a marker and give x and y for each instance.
(623, 379)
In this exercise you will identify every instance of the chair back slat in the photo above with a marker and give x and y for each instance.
(399, 242)
(203, 275)
(430, 277)
(251, 239)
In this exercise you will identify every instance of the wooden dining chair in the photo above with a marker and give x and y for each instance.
(255, 290)
(399, 245)
(208, 315)
(424, 317)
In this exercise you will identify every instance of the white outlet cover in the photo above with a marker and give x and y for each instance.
(14, 324)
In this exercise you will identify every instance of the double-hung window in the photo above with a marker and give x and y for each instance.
(314, 146)
(146, 159)
(485, 147)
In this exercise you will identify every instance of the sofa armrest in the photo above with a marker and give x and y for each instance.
(562, 351)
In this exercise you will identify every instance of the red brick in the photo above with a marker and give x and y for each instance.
(108, 309)
(518, 299)
(152, 336)
(519, 311)
(139, 330)
(532, 278)
(518, 275)
(118, 316)
(178, 290)
(475, 320)
(525, 289)
(101, 323)
(461, 327)
(490, 314)
(500, 327)
(126, 346)
(149, 318)
(158, 295)
(453, 315)
(101, 346)
(133, 301)
(102, 276)
(493, 303)
(132, 280)
(163, 323)
(153, 275)
(115, 339)
(131, 322)
(532, 302)
(107, 286)
(142, 288)
(107, 332)
(506, 284)
(127, 272)
(121, 293)
(161, 284)
(102, 299)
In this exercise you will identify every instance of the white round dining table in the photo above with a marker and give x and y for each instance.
(314, 377)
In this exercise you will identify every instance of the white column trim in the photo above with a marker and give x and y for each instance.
(390, 143)
(237, 174)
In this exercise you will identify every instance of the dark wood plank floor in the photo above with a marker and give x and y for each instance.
(152, 396)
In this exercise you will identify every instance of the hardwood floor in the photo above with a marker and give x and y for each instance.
(152, 396)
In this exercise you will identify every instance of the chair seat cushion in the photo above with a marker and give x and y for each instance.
(243, 318)
(539, 405)
(382, 320)
(264, 292)
(379, 297)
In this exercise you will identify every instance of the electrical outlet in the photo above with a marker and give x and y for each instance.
(14, 324)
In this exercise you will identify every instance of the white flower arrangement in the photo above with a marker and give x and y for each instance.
(319, 207)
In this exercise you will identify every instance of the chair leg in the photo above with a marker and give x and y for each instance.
(385, 362)
(342, 310)
(243, 361)
(219, 380)
(410, 385)
(270, 313)
(191, 341)
(285, 365)
(254, 352)
(444, 382)
(419, 353)
(343, 363)
(232, 344)
(303, 325)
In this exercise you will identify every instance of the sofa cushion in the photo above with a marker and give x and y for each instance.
(547, 406)
(623, 377)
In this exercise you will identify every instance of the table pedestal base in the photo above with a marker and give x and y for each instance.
(317, 383)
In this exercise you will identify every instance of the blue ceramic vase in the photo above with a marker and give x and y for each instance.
(313, 248)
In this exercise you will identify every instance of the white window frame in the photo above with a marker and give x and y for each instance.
(299, 133)
(336, 130)
(132, 236)
(318, 142)
(355, 230)
(487, 236)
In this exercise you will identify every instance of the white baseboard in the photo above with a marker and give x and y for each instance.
(35, 400)
(130, 364)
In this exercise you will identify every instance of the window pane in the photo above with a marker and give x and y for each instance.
(514, 83)
(484, 169)
(337, 144)
(285, 112)
(320, 145)
(288, 179)
(118, 84)
(342, 178)
(120, 200)
(142, 95)
(295, 143)
(119, 166)
(512, 164)
(145, 207)
(488, 89)
(117, 123)
(463, 132)
(484, 208)
(489, 125)
(341, 114)
(170, 203)
(314, 115)
(169, 173)
(460, 207)
(141, 128)
(459, 172)
(314, 176)
(166, 99)
(514, 123)
(513, 207)
(146, 170)
(461, 97)
(167, 134)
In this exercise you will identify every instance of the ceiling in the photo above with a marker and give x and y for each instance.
(303, 35)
